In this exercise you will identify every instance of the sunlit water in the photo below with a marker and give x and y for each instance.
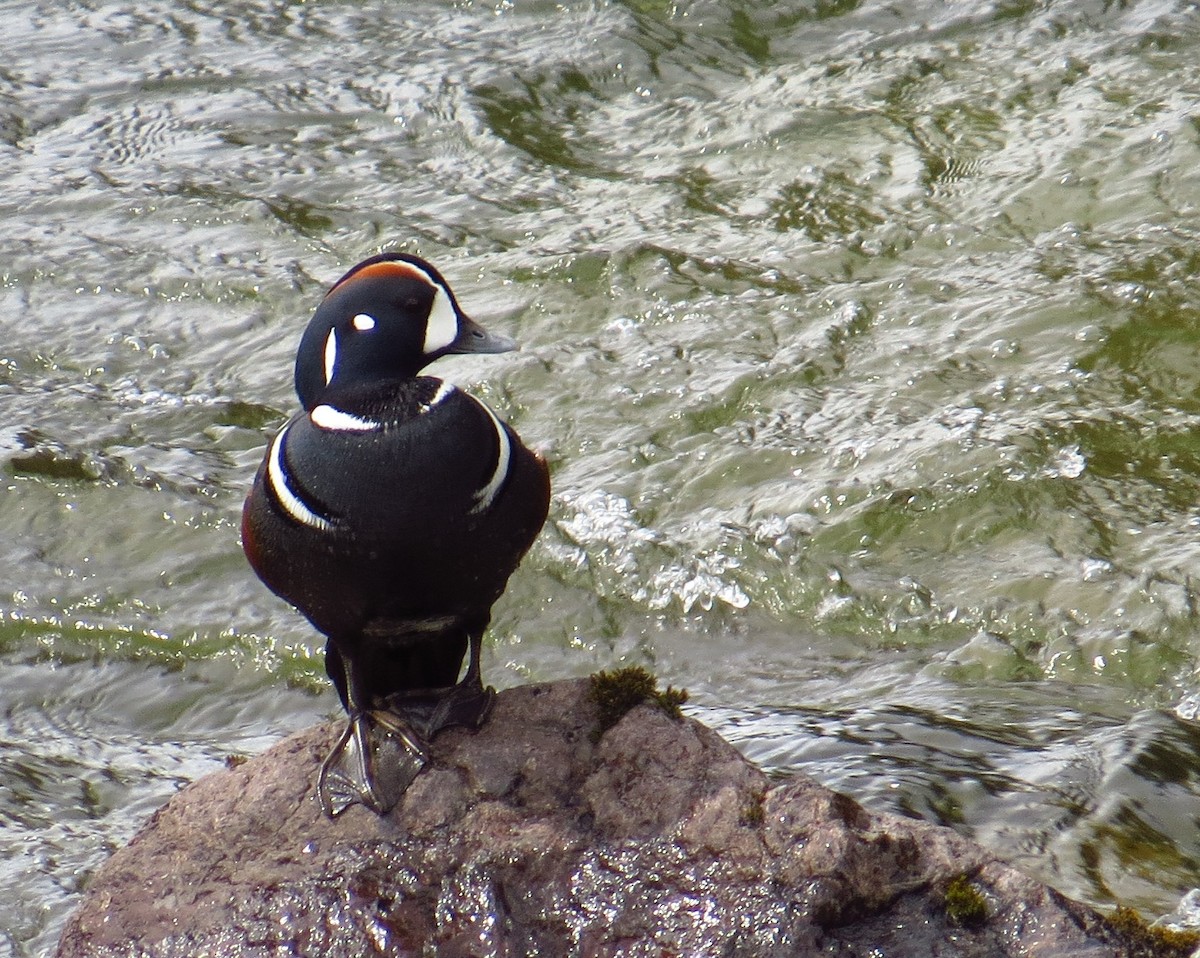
(863, 339)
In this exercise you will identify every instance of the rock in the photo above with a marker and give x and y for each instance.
(529, 838)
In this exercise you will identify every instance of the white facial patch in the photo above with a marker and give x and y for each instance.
(363, 323)
(292, 504)
(328, 417)
(330, 355)
(441, 328)
(485, 496)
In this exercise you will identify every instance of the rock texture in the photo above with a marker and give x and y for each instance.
(530, 838)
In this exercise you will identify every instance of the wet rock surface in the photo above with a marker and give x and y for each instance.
(529, 838)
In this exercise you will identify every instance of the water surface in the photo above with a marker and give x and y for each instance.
(862, 338)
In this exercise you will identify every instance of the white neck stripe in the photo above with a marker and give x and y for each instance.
(443, 392)
(292, 504)
(330, 355)
(327, 417)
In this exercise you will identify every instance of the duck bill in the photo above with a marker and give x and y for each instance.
(473, 338)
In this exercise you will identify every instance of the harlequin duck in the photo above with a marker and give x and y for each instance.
(391, 511)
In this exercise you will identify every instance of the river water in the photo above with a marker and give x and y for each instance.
(863, 339)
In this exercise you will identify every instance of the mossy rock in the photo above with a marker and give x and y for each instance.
(620, 690)
(965, 904)
(1152, 940)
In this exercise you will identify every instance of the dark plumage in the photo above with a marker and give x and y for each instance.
(391, 512)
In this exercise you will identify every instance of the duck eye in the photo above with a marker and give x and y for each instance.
(362, 322)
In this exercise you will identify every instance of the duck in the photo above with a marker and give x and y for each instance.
(391, 510)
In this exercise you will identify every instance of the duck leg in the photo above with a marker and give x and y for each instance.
(430, 710)
(467, 703)
(374, 761)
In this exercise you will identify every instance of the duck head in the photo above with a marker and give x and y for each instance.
(386, 319)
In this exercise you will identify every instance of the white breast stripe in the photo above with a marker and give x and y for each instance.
(277, 480)
(327, 417)
(330, 355)
(485, 496)
(441, 328)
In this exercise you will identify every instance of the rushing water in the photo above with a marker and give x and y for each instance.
(863, 339)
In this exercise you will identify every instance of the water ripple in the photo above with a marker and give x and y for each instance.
(862, 342)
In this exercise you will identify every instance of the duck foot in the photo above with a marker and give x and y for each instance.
(428, 711)
(374, 761)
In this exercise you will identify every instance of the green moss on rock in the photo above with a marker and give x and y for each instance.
(965, 904)
(1146, 939)
(620, 690)
(754, 812)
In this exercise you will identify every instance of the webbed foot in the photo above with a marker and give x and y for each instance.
(383, 749)
(372, 764)
(466, 704)
(428, 711)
